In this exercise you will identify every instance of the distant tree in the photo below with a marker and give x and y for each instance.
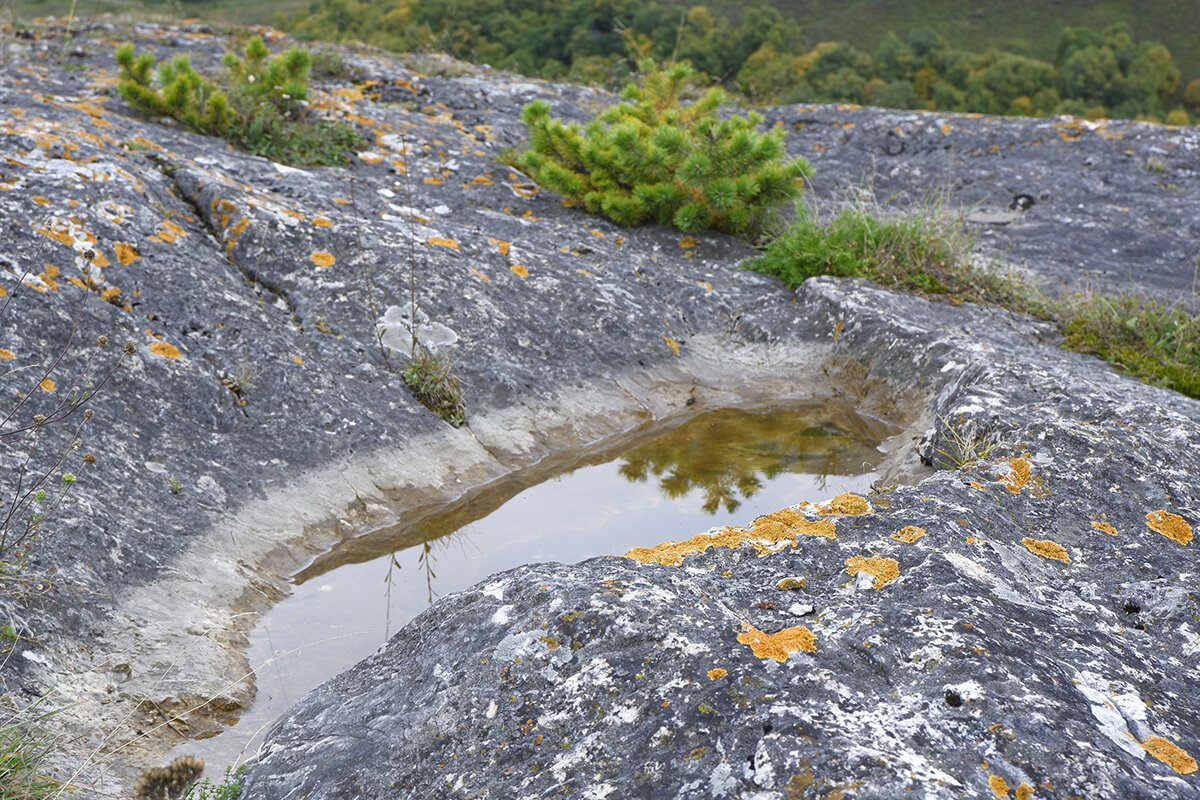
(897, 94)
(1191, 95)
(894, 60)
(1000, 78)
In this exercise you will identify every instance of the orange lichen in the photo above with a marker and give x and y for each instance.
(322, 222)
(778, 645)
(846, 505)
(501, 245)
(47, 384)
(687, 241)
(883, 570)
(520, 269)
(57, 235)
(1170, 525)
(110, 293)
(1017, 477)
(909, 534)
(165, 350)
(126, 254)
(1046, 549)
(298, 359)
(719, 672)
(1104, 526)
(485, 278)
(323, 259)
(671, 343)
(443, 242)
(1170, 754)
(999, 786)
(768, 534)
(6, 353)
(40, 200)
(434, 181)
(1024, 791)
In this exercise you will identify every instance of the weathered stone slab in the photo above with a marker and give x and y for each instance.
(219, 264)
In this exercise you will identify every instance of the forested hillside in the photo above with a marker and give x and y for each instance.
(1123, 58)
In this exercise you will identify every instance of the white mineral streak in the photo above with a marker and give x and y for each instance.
(1105, 710)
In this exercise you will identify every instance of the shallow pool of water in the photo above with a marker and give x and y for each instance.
(722, 467)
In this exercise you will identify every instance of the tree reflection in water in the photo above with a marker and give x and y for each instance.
(729, 453)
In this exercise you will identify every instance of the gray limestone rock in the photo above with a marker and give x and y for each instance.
(259, 424)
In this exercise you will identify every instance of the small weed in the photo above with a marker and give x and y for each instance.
(1156, 164)
(228, 789)
(8, 633)
(174, 485)
(240, 381)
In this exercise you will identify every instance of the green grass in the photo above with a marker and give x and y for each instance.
(927, 251)
(25, 754)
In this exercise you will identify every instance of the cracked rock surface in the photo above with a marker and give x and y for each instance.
(1024, 624)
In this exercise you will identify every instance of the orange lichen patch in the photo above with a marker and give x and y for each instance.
(778, 646)
(1170, 754)
(298, 359)
(370, 158)
(165, 350)
(110, 294)
(704, 285)
(519, 269)
(433, 180)
(845, 504)
(671, 343)
(486, 279)
(58, 235)
(1024, 791)
(719, 672)
(501, 245)
(976, 485)
(687, 242)
(126, 254)
(1046, 549)
(909, 534)
(323, 259)
(99, 259)
(946, 127)
(1106, 527)
(442, 242)
(600, 234)
(47, 385)
(999, 786)
(6, 353)
(1017, 477)
(480, 180)
(352, 93)
(1170, 525)
(40, 200)
(883, 570)
(322, 222)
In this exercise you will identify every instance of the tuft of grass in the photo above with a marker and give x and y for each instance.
(25, 754)
(927, 251)
(430, 377)
(964, 443)
(1155, 342)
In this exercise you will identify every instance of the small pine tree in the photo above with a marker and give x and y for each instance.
(653, 159)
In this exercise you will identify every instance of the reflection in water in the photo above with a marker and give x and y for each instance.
(731, 451)
(721, 468)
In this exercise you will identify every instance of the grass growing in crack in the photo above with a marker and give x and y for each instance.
(430, 376)
(228, 789)
(964, 444)
(927, 251)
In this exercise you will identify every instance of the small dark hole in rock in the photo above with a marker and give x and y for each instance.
(1139, 627)
(953, 698)
(1131, 607)
(768, 728)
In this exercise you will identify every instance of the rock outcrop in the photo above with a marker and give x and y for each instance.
(1044, 624)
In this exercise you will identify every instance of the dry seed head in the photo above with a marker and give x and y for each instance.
(101, 340)
(75, 445)
(130, 348)
(39, 419)
(88, 413)
(89, 458)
